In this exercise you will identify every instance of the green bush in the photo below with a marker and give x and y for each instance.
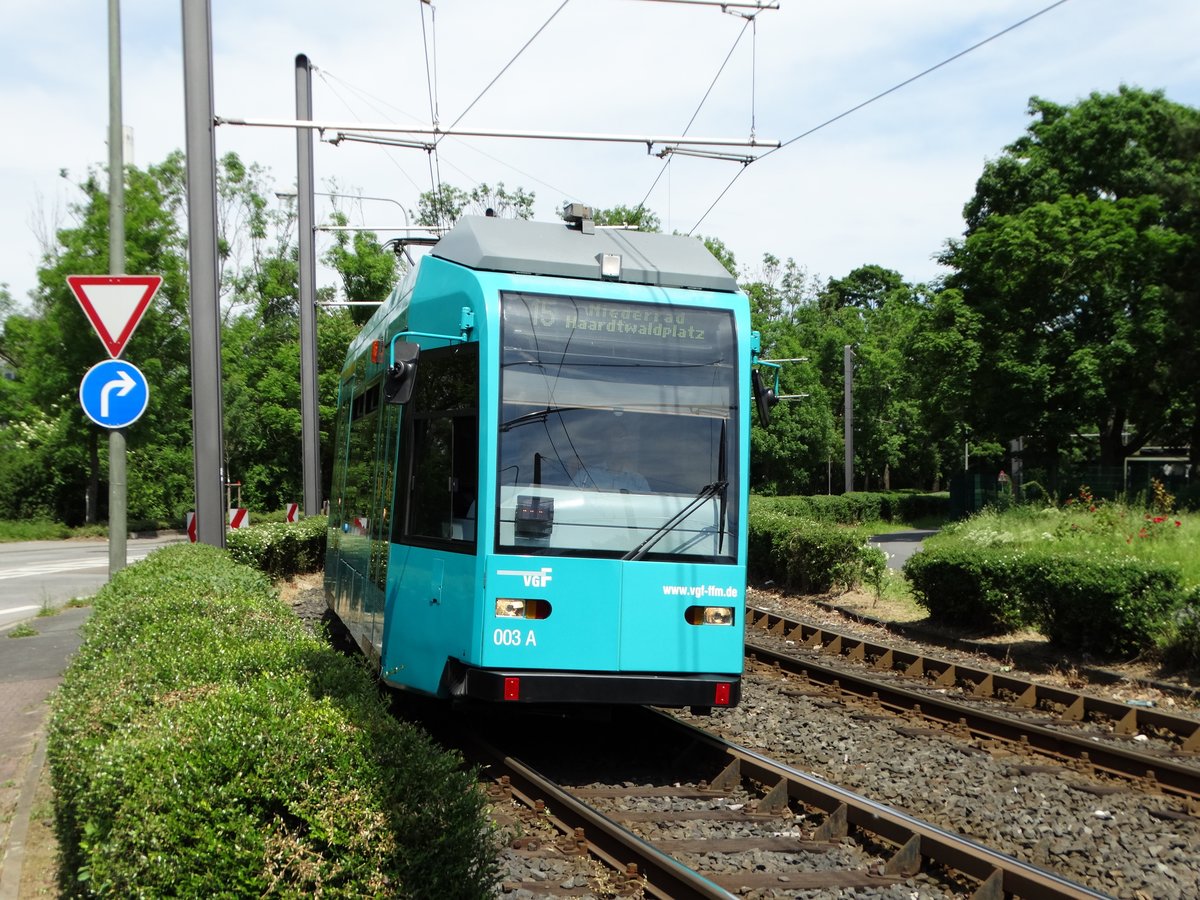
(204, 744)
(968, 587)
(281, 549)
(1104, 604)
(860, 507)
(808, 556)
(1181, 640)
(1099, 603)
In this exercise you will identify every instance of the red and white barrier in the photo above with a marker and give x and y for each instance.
(190, 524)
(239, 518)
(293, 512)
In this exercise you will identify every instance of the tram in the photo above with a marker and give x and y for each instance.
(540, 481)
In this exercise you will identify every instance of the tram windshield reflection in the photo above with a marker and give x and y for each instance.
(616, 416)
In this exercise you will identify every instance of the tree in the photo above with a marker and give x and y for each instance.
(53, 457)
(444, 206)
(1079, 264)
(724, 255)
(367, 268)
(637, 217)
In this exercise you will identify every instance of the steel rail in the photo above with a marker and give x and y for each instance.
(617, 847)
(1154, 772)
(998, 873)
(1077, 706)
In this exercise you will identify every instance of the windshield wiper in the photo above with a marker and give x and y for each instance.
(722, 476)
(538, 415)
(706, 493)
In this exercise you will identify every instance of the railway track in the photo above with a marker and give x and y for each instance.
(754, 826)
(1092, 735)
(1102, 839)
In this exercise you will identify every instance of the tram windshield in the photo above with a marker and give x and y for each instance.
(618, 430)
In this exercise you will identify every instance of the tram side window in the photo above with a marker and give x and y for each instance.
(360, 465)
(443, 474)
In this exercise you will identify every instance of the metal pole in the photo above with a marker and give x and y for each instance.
(310, 434)
(848, 414)
(117, 485)
(207, 421)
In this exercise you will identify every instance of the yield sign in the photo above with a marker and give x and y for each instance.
(114, 304)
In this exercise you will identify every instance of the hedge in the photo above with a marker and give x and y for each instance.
(860, 507)
(281, 549)
(800, 554)
(1100, 603)
(202, 743)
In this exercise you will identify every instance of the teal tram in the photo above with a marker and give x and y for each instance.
(539, 490)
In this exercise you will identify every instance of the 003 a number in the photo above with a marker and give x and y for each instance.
(513, 637)
(507, 637)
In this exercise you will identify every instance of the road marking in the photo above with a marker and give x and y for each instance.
(17, 609)
(77, 565)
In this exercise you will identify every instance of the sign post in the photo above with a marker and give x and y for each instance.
(114, 393)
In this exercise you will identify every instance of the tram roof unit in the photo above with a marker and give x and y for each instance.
(557, 249)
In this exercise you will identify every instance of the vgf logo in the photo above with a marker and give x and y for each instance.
(540, 578)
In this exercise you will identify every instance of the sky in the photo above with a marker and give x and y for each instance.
(883, 185)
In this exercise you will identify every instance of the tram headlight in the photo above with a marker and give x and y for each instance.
(511, 608)
(709, 615)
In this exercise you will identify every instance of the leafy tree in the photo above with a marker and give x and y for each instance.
(7, 304)
(1079, 266)
(368, 270)
(723, 254)
(444, 206)
(636, 216)
(56, 459)
(791, 455)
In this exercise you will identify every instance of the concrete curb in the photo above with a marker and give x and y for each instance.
(14, 857)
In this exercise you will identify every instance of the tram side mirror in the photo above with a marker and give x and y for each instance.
(398, 385)
(764, 398)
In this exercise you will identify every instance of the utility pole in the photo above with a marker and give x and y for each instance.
(310, 434)
(118, 494)
(207, 418)
(848, 414)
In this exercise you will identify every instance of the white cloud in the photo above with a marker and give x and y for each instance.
(884, 185)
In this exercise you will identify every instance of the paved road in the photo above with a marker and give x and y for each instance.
(900, 545)
(34, 574)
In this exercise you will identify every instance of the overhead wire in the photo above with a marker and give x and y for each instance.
(692, 120)
(435, 170)
(507, 65)
(328, 78)
(879, 96)
(379, 104)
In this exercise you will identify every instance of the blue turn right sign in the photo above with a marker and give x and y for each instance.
(114, 393)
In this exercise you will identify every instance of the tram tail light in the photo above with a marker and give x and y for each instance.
(512, 689)
(709, 615)
(720, 693)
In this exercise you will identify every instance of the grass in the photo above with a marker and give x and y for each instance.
(1094, 527)
(33, 530)
(22, 631)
